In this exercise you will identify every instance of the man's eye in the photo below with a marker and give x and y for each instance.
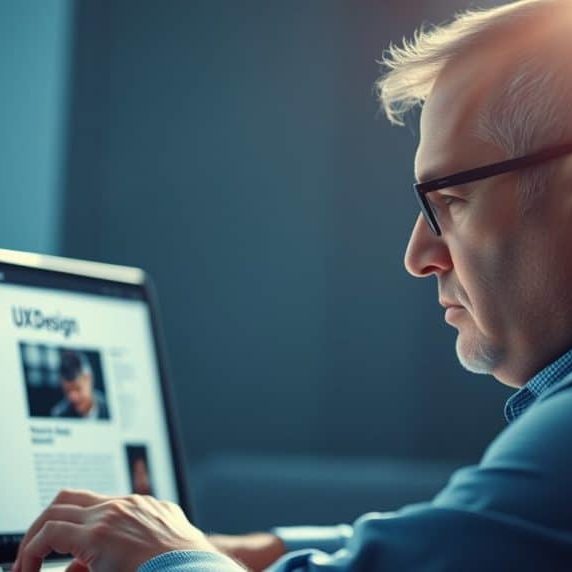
(449, 199)
(445, 200)
(441, 204)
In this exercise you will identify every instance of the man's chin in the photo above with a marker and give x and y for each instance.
(476, 355)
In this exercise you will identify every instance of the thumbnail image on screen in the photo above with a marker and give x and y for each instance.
(63, 382)
(139, 469)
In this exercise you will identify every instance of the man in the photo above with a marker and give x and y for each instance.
(140, 480)
(81, 399)
(496, 85)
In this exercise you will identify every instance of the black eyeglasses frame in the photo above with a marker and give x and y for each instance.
(479, 173)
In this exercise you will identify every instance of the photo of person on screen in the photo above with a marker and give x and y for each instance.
(81, 399)
(139, 470)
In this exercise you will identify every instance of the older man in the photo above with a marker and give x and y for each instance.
(495, 171)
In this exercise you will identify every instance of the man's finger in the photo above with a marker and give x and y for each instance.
(79, 497)
(77, 566)
(56, 536)
(67, 513)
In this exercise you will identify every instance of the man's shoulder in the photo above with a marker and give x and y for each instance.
(543, 434)
(62, 409)
(526, 471)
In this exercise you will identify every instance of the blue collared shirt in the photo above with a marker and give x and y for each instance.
(519, 402)
(512, 511)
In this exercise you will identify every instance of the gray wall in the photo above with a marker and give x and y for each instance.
(234, 150)
(34, 65)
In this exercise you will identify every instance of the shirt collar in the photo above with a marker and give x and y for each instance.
(520, 401)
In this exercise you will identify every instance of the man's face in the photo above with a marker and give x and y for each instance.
(503, 273)
(79, 392)
(141, 481)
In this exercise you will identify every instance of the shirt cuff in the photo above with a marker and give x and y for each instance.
(324, 538)
(189, 561)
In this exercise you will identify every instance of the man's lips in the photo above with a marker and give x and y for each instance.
(446, 304)
(452, 312)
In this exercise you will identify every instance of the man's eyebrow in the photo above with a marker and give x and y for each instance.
(428, 176)
(432, 172)
(437, 173)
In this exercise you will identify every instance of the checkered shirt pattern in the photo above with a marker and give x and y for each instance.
(519, 402)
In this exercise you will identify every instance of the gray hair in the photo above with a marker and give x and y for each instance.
(532, 104)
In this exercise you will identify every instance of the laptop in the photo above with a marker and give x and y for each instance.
(84, 394)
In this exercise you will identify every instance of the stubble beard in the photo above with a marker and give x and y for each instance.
(474, 351)
(477, 355)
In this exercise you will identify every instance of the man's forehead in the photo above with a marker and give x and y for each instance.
(447, 140)
(450, 118)
(473, 80)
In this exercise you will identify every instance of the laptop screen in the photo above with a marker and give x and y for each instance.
(82, 400)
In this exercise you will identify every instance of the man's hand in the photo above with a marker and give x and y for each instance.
(256, 551)
(106, 534)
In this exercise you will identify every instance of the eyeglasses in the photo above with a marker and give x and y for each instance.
(472, 175)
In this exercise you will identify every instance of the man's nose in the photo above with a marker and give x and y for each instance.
(426, 252)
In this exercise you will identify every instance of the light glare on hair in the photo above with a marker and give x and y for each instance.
(531, 106)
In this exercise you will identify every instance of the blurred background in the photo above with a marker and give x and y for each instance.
(235, 151)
